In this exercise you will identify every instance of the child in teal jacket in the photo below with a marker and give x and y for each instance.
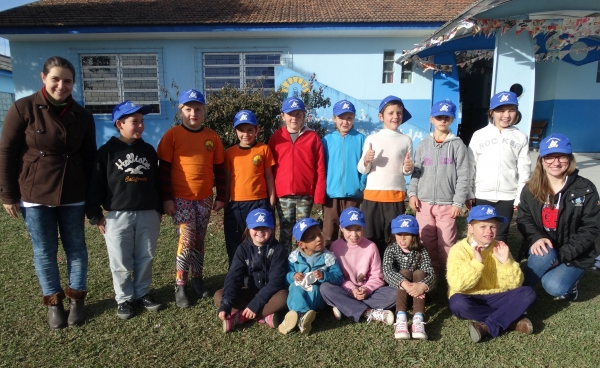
(309, 266)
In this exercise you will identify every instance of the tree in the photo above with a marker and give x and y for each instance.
(222, 105)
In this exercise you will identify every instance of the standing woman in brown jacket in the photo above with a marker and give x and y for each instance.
(47, 151)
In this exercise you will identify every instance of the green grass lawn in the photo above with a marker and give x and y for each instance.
(566, 333)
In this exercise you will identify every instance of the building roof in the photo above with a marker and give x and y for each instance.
(5, 63)
(77, 13)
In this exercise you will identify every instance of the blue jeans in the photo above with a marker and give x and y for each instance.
(42, 223)
(556, 280)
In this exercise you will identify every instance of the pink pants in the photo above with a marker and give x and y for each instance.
(437, 230)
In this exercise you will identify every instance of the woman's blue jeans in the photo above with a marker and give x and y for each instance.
(43, 224)
(556, 280)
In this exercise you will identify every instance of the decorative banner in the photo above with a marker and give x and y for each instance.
(560, 33)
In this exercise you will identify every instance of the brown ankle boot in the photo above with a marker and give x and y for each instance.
(56, 311)
(523, 325)
(76, 306)
(478, 331)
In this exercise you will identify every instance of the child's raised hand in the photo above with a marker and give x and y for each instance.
(501, 252)
(370, 156)
(318, 275)
(298, 276)
(223, 315)
(414, 203)
(248, 314)
(218, 205)
(408, 163)
(169, 207)
(477, 253)
(456, 212)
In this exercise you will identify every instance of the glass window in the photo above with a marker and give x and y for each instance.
(388, 67)
(109, 79)
(237, 69)
(407, 71)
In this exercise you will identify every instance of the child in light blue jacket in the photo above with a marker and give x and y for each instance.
(342, 149)
(309, 266)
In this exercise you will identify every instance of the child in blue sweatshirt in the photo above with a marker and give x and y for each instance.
(309, 266)
(342, 149)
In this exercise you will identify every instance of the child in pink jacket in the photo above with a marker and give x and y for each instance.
(362, 293)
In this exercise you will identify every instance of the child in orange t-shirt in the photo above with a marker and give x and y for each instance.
(249, 179)
(190, 155)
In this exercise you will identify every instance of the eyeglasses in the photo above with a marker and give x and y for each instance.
(551, 159)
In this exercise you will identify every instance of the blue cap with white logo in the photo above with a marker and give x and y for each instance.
(405, 115)
(503, 98)
(258, 218)
(343, 106)
(443, 108)
(303, 225)
(244, 117)
(555, 143)
(292, 104)
(405, 224)
(352, 216)
(485, 212)
(127, 107)
(191, 95)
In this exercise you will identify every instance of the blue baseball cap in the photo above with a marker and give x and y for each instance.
(555, 143)
(303, 225)
(259, 217)
(191, 95)
(352, 216)
(127, 107)
(405, 116)
(343, 106)
(443, 108)
(503, 98)
(405, 224)
(485, 212)
(244, 117)
(292, 104)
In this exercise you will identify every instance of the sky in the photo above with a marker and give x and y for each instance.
(7, 4)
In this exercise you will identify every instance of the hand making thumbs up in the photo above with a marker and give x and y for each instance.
(370, 156)
(408, 163)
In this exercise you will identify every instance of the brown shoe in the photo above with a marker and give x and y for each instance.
(57, 318)
(478, 331)
(523, 325)
(76, 306)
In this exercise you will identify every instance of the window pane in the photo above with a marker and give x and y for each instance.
(269, 59)
(99, 60)
(140, 84)
(221, 72)
(388, 78)
(406, 73)
(132, 60)
(100, 73)
(210, 59)
(217, 83)
(141, 97)
(266, 83)
(265, 71)
(101, 97)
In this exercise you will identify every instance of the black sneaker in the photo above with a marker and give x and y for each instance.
(571, 295)
(149, 303)
(124, 310)
(199, 288)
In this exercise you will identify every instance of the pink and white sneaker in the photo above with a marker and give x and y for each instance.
(235, 319)
(401, 330)
(418, 329)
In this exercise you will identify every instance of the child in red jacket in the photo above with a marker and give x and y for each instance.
(299, 169)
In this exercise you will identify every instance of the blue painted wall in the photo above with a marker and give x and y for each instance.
(353, 66)
(6, 82)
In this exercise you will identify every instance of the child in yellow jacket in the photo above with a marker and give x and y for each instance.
(484, 282)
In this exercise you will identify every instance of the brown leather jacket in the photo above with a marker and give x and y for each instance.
(45, 158)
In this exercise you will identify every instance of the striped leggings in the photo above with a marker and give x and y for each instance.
(192, 220)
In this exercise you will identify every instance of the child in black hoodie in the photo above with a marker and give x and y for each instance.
(124, 182)
(255, 285)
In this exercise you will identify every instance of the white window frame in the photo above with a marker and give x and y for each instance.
(407, 72)
(120, 81)
(388, 61)
(242, 78)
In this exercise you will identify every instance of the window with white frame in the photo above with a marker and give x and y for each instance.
(238, 69)
(109, 79)
(388, 66)
(407, 71)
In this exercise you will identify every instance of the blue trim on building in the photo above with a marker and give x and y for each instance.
(251, 27)
(6, 73)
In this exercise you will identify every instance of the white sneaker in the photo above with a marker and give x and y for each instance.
(289, 322)
(401, 330)
(418, 329)
(381, 315)
(337, 314)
